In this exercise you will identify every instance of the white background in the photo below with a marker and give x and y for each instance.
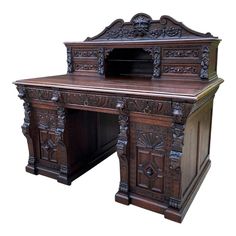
(31, 45)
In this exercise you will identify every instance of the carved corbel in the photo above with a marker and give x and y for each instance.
(70, 64)
(103, 53)
(101, 61)
(56, 96)
(205, 62)
(123, 150)
(26, 130)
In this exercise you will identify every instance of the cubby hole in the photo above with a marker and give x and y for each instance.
(128, 62)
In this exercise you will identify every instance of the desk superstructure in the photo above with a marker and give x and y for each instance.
(143, 89)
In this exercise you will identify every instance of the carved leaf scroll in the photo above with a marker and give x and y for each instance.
(141, 26)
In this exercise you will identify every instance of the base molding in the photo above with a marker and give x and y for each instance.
(122, 198)
(32, 170)
(67, 179)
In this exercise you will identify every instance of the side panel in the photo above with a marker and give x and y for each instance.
(196, 146)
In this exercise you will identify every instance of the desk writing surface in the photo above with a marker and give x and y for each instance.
(191, 90)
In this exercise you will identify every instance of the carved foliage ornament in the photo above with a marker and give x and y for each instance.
(181, 53)
(122, 146)
(155, 53)
(205, 62)
(142, 26)
(70, 66)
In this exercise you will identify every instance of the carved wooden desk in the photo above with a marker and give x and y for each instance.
(144, 89)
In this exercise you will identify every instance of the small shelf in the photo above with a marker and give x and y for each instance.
(129, 62)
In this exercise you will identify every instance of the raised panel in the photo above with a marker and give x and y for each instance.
(143, 158)
(157, 184)
(204, 135)
(48, 146)
(150, 166)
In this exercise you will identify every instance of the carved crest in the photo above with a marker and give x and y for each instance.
(141, 26)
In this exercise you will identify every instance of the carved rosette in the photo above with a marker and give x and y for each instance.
(70, 66)
(26, 129)
(205, 63)
(155, 53)
(122, 146)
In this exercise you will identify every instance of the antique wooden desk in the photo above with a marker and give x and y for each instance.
(143, 88)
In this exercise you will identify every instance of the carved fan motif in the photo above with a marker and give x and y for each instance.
(149, 140)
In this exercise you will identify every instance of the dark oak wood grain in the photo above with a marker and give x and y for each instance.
(143, 88)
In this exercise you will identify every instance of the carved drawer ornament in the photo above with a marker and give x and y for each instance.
(181, 53)
(142, 105)
(85, 53)
(180, 69)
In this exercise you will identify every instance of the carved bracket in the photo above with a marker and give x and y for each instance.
(26, 129)
(102, 55)
(155, 53)
(70, 66)
(61, 147)
(205, 63)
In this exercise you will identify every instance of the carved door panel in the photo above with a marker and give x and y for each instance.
(48, 146)
(149, 145)
(150, 167)
(46, 121)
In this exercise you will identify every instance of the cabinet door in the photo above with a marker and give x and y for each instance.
(149, 145)
(150, 168)
(48, 146)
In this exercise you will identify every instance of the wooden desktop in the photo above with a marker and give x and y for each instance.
(143, 89)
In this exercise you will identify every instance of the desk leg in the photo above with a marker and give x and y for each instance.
(27, 131)
(61, 147)
(122, 195)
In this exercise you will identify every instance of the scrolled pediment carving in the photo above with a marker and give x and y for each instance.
(141, 26)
